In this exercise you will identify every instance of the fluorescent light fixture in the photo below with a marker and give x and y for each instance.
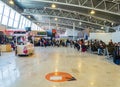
(53, 6)
(11, 2)
(92, 12)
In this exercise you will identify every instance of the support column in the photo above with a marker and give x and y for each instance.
(118, 28)
(107, 29)
(73, 31)
(49, 24)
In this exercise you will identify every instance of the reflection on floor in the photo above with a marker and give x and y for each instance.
(88, 69)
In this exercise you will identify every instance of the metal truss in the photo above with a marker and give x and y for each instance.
(109, 6)
(60, 25)
(69, 15)
(15, 7)
(67, 22)
(105, 6)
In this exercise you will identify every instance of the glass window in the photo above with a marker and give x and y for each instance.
(15, 24)
(6, 10)
(26, 24)
(11, 19)
(1, 8)
(0, 17)
(23, 25)
(12, 14)
(10, 23)
(17, 16)
(34, 26)
(4, 20)
(21, 21)
(16, 20)
(1, 3)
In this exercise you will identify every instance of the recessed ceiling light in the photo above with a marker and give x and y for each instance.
(29, 16)
(80, 23)
(112, 24)
(92, 12)
(102, 27)
(56, 19)
(53, 6)
(11, 2)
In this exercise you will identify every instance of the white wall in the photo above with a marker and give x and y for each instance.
(69, 32)
(116, 36)
(106, 36)
(101, 36)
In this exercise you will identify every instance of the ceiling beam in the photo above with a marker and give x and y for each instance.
(75, 5)
(71, 16)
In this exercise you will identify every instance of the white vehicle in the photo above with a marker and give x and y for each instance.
(23, 47)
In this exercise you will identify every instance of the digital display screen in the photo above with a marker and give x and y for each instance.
(41, 33)
(19, 32)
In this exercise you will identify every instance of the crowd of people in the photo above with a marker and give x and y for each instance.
(82, 45)
(102, 48)
(48, 42)
(77, 44)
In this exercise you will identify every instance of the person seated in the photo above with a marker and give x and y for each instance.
(101, 48)
(111, 43)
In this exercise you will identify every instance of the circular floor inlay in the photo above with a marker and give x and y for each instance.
(59, 77)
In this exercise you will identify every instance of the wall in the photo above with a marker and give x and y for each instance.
(101, 36)
(69, 32)
(106, 36)
(116, 36)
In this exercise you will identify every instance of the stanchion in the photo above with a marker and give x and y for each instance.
(16, 51)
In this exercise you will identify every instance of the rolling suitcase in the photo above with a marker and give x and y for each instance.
(116, 58)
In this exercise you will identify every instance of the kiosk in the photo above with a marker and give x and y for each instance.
(23, 47)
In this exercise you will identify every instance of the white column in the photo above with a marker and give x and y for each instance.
(49, 24)
(73, 31)
(107, 29)
(118, 28)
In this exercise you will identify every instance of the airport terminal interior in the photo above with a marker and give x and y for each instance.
(59, 43)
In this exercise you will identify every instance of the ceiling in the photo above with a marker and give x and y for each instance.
(107, 12)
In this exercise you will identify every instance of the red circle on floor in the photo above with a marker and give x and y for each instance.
(58, 76)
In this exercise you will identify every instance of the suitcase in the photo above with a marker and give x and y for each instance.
(117, 61)
(83, 48)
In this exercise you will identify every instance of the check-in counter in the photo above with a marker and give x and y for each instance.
(6, 48)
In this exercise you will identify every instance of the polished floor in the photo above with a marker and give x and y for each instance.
(90, 70)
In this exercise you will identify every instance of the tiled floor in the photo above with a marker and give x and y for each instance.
(90, 70)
